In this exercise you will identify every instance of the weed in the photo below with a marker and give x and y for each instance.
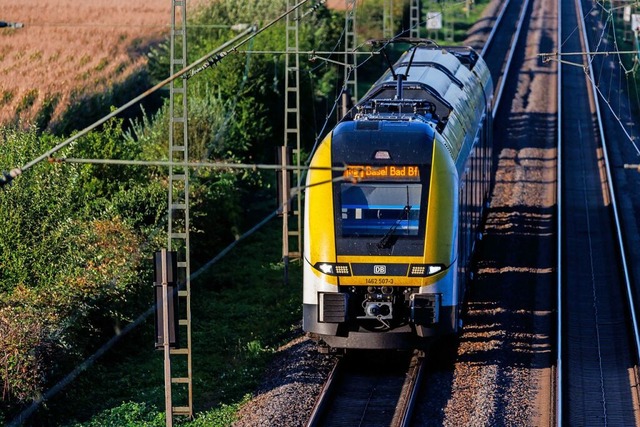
(27, 101)
(6, 96)
(35, 56)
(84, 60)
(102, 64)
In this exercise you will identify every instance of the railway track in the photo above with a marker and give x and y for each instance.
(358, 394)
(506, 32)
(597, 379)
(370, 389)
(503, 370)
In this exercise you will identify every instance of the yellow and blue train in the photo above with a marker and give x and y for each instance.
(394, 204)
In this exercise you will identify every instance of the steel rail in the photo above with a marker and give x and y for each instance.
(404, 412)
(503, 78)
(558, 376)
(324, 396)
(614, 203)
(407, 396)
(495, 27)
(559, 391)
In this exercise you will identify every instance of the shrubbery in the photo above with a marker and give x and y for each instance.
(63, 269)
(75, 239)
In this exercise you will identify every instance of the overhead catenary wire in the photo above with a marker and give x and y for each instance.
(22, 417)
(214, 59)
(609, 26)
(204, 62)
(311, 10)
(88, 362)
(168, 163)
(592, 54)
(8, 176)
(30, 410)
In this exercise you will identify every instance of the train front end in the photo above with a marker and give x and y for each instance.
(379, 258)
(394, 204)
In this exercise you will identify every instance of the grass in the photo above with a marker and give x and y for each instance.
(241, 310)
(456, 21)
(241, 313)
(461, 25)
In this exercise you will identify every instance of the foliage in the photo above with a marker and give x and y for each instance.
(235, 110)
(86, 108)
(74, 237)
(66, 272)
(130, 414)
(133, 414)
(241, 97)
(45, 114)
(369, 17)
(456, 21)
(243, 311)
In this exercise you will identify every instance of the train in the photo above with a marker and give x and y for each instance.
(395, 200)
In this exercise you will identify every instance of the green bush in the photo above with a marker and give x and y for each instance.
(65, 271)
(74, 239)
(131, 414)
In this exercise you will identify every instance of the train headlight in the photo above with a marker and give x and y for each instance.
(333, 268)
(425, 270)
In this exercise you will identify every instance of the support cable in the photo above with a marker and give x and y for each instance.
(168, 163)
(8, 177)
(89, 361)
(204, 62)
(214, 59)
(555, 56)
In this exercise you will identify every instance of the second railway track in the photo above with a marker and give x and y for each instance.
(598, 341)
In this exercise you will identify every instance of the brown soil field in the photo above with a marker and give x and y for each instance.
(71, 48)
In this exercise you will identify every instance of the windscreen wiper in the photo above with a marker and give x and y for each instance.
(386, 242)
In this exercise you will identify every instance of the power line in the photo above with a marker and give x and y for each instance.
(591, 55)
(119, 25)
(586, 53)
(8, 177)
(88, 362)
(24, 415)
(606, 101)
(203, 63)
(167, 163)
(214, 59)
(609, 27)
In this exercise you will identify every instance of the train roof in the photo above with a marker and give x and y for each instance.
(447, 87)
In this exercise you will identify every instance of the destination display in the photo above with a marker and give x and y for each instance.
(382, 173)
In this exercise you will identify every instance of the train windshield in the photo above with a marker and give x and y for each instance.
(380, 209)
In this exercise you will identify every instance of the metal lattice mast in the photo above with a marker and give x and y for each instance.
(414, 19)
(448, 19)
(178, 213)
(387, 19)
(350, 59)
(292, 236)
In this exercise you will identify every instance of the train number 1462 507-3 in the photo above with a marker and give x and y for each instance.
(379, 281)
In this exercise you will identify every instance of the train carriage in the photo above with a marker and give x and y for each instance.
(389, 237)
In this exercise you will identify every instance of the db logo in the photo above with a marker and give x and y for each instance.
(379, 269)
